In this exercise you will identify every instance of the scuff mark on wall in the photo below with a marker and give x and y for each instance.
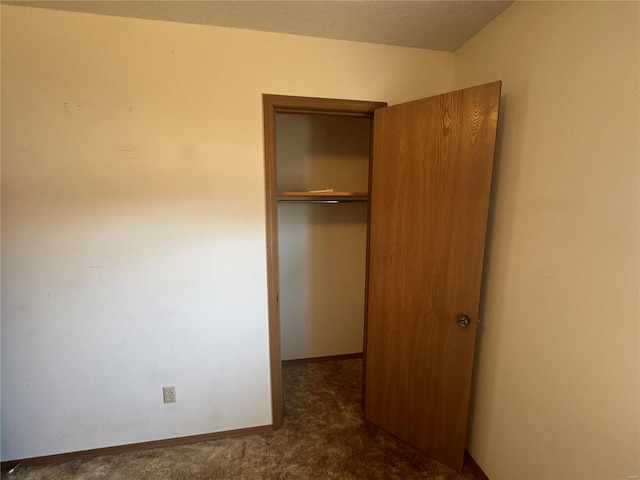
(128, 107)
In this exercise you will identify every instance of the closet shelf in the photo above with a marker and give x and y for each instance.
(322, 197)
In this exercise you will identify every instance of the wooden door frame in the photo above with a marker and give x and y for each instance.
(272, 105)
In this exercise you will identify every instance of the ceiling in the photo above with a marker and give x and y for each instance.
(436, 25)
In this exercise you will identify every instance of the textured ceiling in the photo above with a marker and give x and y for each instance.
(436, 25)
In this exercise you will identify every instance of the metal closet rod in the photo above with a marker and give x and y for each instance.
(322, 201)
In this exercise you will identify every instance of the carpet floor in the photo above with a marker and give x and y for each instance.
(323, 437)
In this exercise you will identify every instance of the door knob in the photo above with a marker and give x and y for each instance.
(463, 320)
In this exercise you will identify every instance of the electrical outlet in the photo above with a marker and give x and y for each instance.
(169, 394)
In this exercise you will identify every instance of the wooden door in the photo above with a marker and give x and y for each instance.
(430, 187)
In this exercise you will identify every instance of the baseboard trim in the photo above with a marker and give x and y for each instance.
(330, 358)
(133, 447)
(473, 467)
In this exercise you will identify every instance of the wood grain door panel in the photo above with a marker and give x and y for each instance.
(430, 189)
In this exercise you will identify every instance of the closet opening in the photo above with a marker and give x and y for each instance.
(317, 169)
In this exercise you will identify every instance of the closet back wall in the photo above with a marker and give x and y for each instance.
(133, 217)
(322, 247)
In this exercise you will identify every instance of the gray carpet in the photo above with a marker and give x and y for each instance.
(323, 437)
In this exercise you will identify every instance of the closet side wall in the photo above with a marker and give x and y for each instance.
(322, 246)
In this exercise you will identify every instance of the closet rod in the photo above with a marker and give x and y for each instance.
(322, 201)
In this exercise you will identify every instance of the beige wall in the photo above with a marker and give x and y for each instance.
(557, 378)
(133, 226)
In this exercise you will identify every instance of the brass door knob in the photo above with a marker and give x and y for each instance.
(463, 320)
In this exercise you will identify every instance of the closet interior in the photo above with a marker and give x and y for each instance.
(322, 166)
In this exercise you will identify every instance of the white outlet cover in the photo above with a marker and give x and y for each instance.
(169, 394)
